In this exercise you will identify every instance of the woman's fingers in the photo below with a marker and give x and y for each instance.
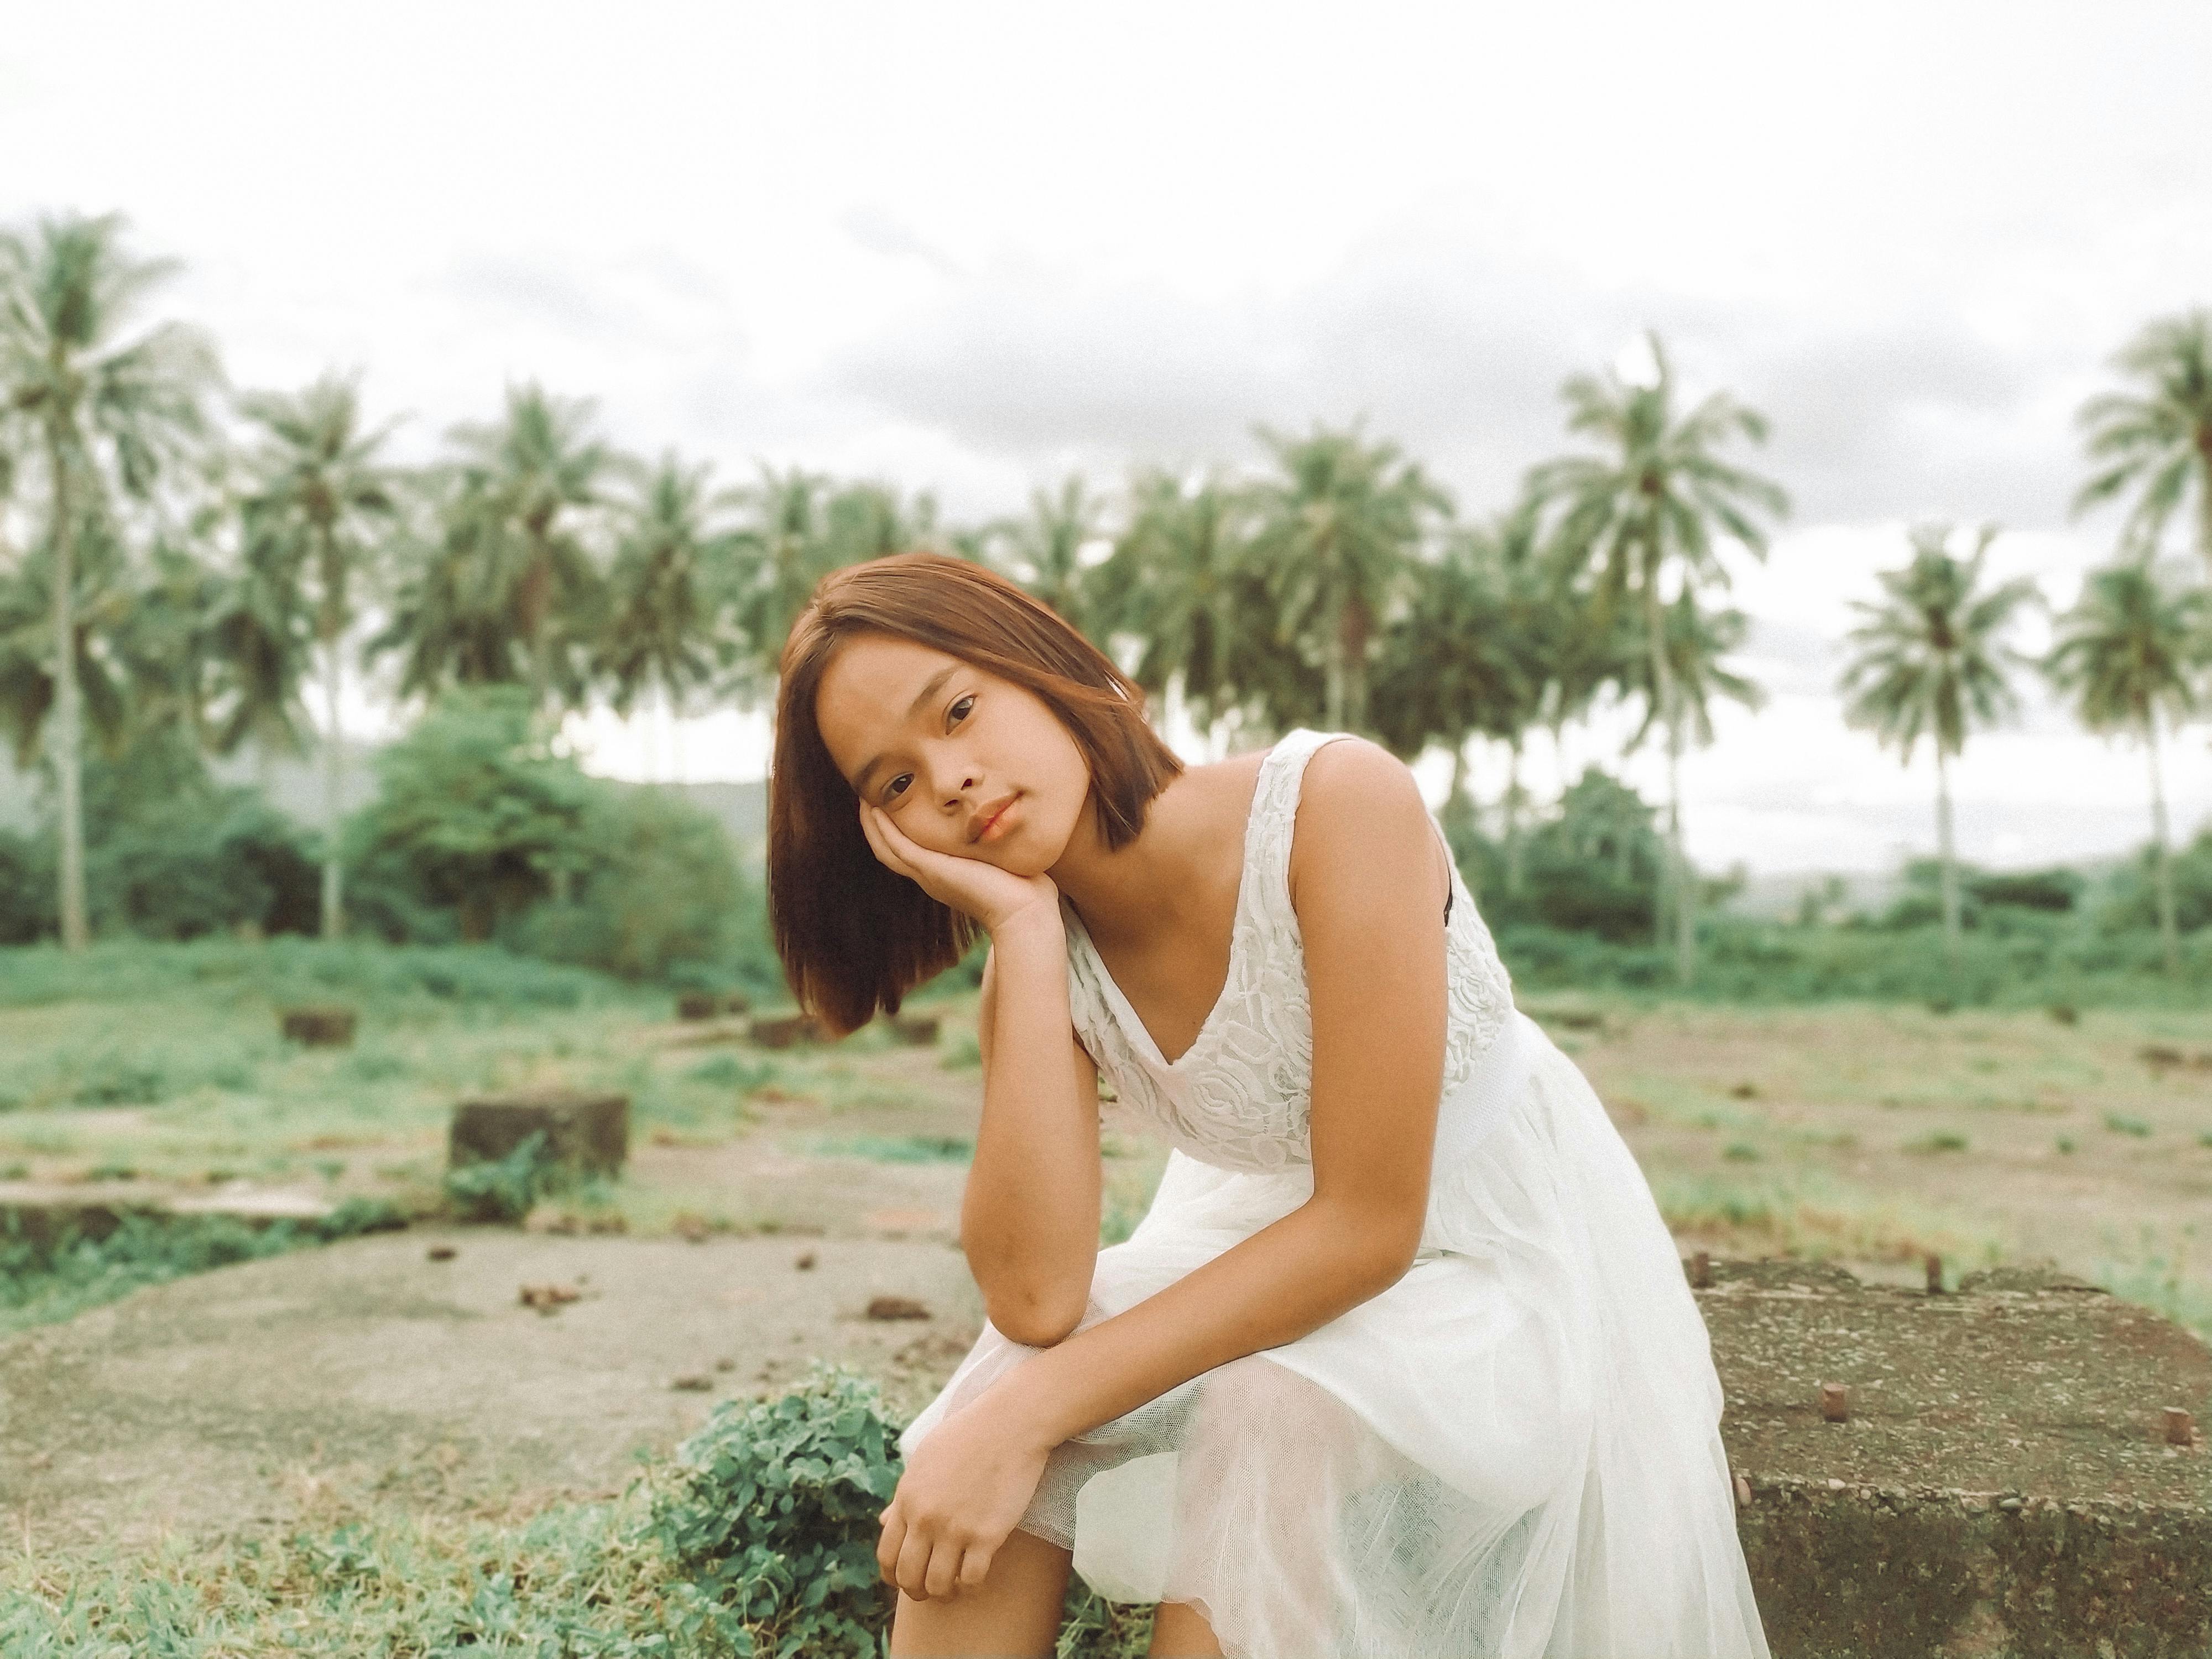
(974, 1565)
(914, 1558)
(942, 1579)
(873, 826)
(887, 1546)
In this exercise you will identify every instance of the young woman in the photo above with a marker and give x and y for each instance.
(1402, 1361)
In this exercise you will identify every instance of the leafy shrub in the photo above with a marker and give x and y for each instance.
(661, 886)
(774, 1520)
(504, 1188)
(211, 862)
(27, 889)
(475, 813)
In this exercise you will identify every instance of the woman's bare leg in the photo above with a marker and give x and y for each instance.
(1178, 1633)
(1014, 1613)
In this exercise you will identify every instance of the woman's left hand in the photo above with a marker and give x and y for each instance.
(959, 1497)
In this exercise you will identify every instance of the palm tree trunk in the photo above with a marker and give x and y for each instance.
(1513, 860)
(1459, 814)
(1947, 857)
(333, 796)
(1677, 865)
(1457, 808)
(1685, 917)
(68, 738)
(2169, 933)
(2204, 499)
(1333, 675)
(1355, 664)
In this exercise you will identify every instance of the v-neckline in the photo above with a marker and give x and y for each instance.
(1124, 1011)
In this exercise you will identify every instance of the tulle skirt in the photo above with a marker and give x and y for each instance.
(1514, 1451)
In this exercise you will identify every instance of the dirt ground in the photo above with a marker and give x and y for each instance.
(252, 1394)
(366, 1372)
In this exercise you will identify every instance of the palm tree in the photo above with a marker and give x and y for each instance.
(526, 479)
(1929, 660)
(2127, 653)
(1338, 531)
(1450, 669)
(1173, 582)
(867, 520)
(1043, 551)
(666, 589)
(111, 415)
(2157, 442)
(1646, 513)
(446, 616)
(1696, 641)
(780, 551)
(29, 689)
(321, 500)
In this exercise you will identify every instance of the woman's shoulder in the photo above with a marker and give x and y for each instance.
(1359, 808)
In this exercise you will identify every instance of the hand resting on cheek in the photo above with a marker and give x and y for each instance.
(973, 886)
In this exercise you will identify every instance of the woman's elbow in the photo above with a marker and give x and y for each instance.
(1037, 1324)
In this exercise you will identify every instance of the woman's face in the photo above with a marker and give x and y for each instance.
(963, 762)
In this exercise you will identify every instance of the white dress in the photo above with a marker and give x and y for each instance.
(1514, 1451)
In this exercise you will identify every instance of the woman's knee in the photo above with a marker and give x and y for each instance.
(1014, 1611)
(1180, 1631)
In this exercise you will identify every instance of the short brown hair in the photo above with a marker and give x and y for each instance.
(854, 936)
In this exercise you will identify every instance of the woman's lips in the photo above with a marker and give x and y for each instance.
(999, 824)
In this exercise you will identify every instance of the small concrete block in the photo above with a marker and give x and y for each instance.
(786, 1030)
(324, 1026)
(589, 1133)
(1835, 1402)
(2180, 1427)
(896, 1307)
(920, 1029)
(1701, 1271)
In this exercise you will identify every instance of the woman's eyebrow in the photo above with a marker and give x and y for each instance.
(929, 689)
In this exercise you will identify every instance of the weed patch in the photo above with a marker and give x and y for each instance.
(46, 1280)
(758, 1540)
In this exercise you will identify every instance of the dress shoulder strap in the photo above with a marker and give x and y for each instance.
(1274, 819)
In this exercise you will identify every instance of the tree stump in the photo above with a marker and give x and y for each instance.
(698, 1005)
(326, 1026)
(786, 1030)
(587, 1132)
(919, 1029)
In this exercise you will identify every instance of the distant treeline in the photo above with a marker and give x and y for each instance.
(189, 569)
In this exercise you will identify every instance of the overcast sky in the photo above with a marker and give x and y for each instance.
(969, 247)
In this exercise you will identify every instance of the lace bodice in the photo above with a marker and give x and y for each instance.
(1238, 1096)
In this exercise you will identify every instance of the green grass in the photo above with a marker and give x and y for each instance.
(1811, 1213)
(896, 1149)
(2120, 1124)
(44, 1281)
(654, 1573)
(1941, 1140)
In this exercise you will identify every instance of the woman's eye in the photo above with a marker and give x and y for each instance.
(961, 706)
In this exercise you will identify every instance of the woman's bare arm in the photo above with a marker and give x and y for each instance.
(1028, 1220)
(1370, 898)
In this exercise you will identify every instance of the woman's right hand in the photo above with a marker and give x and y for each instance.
(991, 895)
